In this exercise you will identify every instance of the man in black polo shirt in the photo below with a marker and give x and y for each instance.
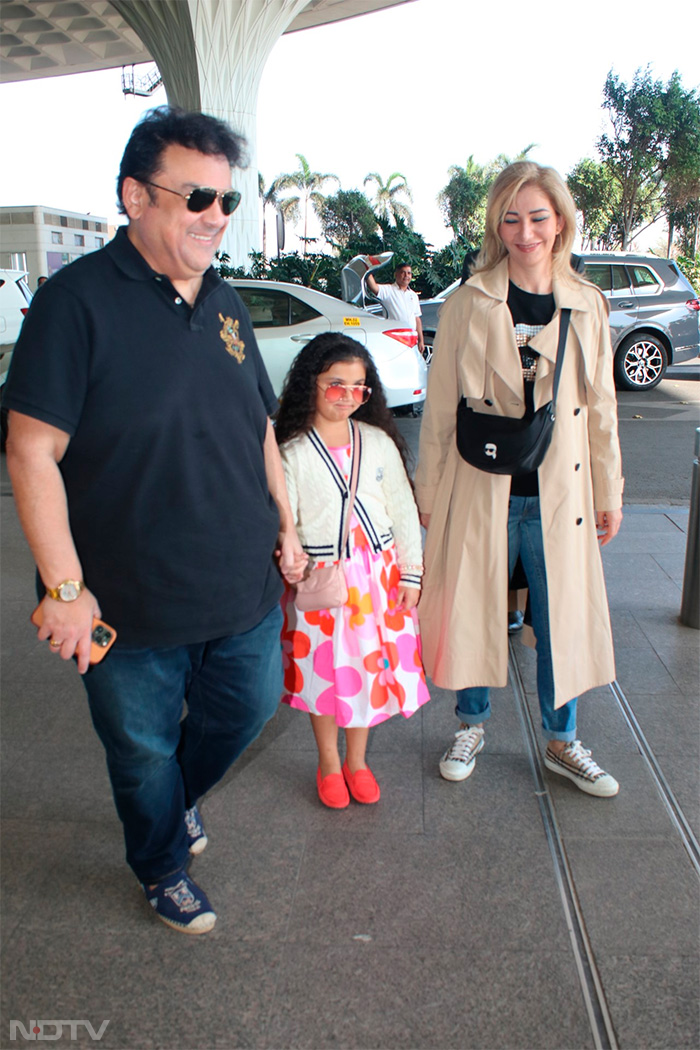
(150, 489)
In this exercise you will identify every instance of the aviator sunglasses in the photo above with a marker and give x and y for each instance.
(335, 391)
(202, 197)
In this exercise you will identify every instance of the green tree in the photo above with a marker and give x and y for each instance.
(503, 160)
(385, 202)
(270, 198)
(463, 201)
(310, 185)
(596, 195)
(347, 219)
(687, 222)
(638, 150)
(408, 247)
(682, 175)
(314, 270)
(690, 266)
(445, 266)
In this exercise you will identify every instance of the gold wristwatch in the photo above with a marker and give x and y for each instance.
(67, 590)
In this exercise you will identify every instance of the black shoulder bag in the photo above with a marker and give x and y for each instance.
(501, 445)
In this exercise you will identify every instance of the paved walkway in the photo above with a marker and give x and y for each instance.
(509, 911)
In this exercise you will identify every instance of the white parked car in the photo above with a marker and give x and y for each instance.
(15, 298)
(286, 316)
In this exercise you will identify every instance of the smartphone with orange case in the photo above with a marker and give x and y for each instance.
(103, 636)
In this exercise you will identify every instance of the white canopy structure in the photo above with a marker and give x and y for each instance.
(210, 54)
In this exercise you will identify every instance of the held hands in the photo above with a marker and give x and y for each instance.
(608, 525)
(291, 557)
(67, 626)
(407, 598)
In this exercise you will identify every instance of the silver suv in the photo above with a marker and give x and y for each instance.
(654, 313)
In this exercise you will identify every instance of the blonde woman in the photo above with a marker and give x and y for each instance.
(496, 346)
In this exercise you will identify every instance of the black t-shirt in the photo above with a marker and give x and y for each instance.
(167, 407)
(530, 313)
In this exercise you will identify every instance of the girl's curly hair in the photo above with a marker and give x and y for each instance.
(295, 415)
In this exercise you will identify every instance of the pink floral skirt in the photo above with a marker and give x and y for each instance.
(360, 663)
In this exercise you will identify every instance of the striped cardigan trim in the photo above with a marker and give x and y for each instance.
(410, 579)
(342, 484)
(410, 575)
(376, 542)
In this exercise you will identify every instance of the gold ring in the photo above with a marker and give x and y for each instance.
(55, 645)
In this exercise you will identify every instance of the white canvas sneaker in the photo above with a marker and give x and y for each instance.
(575, 763)
(458, 761)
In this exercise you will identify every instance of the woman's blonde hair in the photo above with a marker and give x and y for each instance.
(501, 197)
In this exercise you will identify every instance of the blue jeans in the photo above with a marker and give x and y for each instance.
(159, 762)
(525, 539)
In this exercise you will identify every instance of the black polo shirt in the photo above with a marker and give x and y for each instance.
(166, 406)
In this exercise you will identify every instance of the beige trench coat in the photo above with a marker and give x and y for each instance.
(463, 608)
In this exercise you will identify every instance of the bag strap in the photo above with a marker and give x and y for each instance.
(563, 329)
(564, 319)
(354, 474)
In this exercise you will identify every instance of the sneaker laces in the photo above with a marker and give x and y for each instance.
(465, 742)
(580, 757)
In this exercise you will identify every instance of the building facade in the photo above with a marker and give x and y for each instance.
(42, 240)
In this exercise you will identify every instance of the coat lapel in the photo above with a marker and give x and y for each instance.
(581, 338)
(491, 326)
(568, 297)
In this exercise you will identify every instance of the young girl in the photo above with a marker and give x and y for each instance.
(356, 665)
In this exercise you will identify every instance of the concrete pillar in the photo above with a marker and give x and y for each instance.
(233, 40)
(165, 27)
(211, 54)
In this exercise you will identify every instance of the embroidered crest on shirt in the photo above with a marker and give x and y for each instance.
(229, 333)
(529, 358)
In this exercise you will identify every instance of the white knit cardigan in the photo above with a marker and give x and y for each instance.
(384, 503)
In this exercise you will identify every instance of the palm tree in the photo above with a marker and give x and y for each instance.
(502, 160)
(310, 184)
(385, 204)
(463, 200)
(270, 198)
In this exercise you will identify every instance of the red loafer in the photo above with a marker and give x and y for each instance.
(332, 790)
(362, 785)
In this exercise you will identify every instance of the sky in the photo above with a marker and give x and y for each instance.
(414, 88)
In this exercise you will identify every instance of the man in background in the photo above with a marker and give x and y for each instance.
(400, 301)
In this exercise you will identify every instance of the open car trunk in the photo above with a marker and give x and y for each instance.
(353, 282)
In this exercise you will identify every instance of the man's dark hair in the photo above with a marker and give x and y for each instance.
(170, 126)
(402, 266)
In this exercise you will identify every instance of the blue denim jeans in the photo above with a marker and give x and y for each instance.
(159, 762)
(525, 539)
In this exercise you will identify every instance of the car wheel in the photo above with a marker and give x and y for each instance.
(640, 363)
(428, 338)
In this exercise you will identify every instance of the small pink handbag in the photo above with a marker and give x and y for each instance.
(326, 588)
